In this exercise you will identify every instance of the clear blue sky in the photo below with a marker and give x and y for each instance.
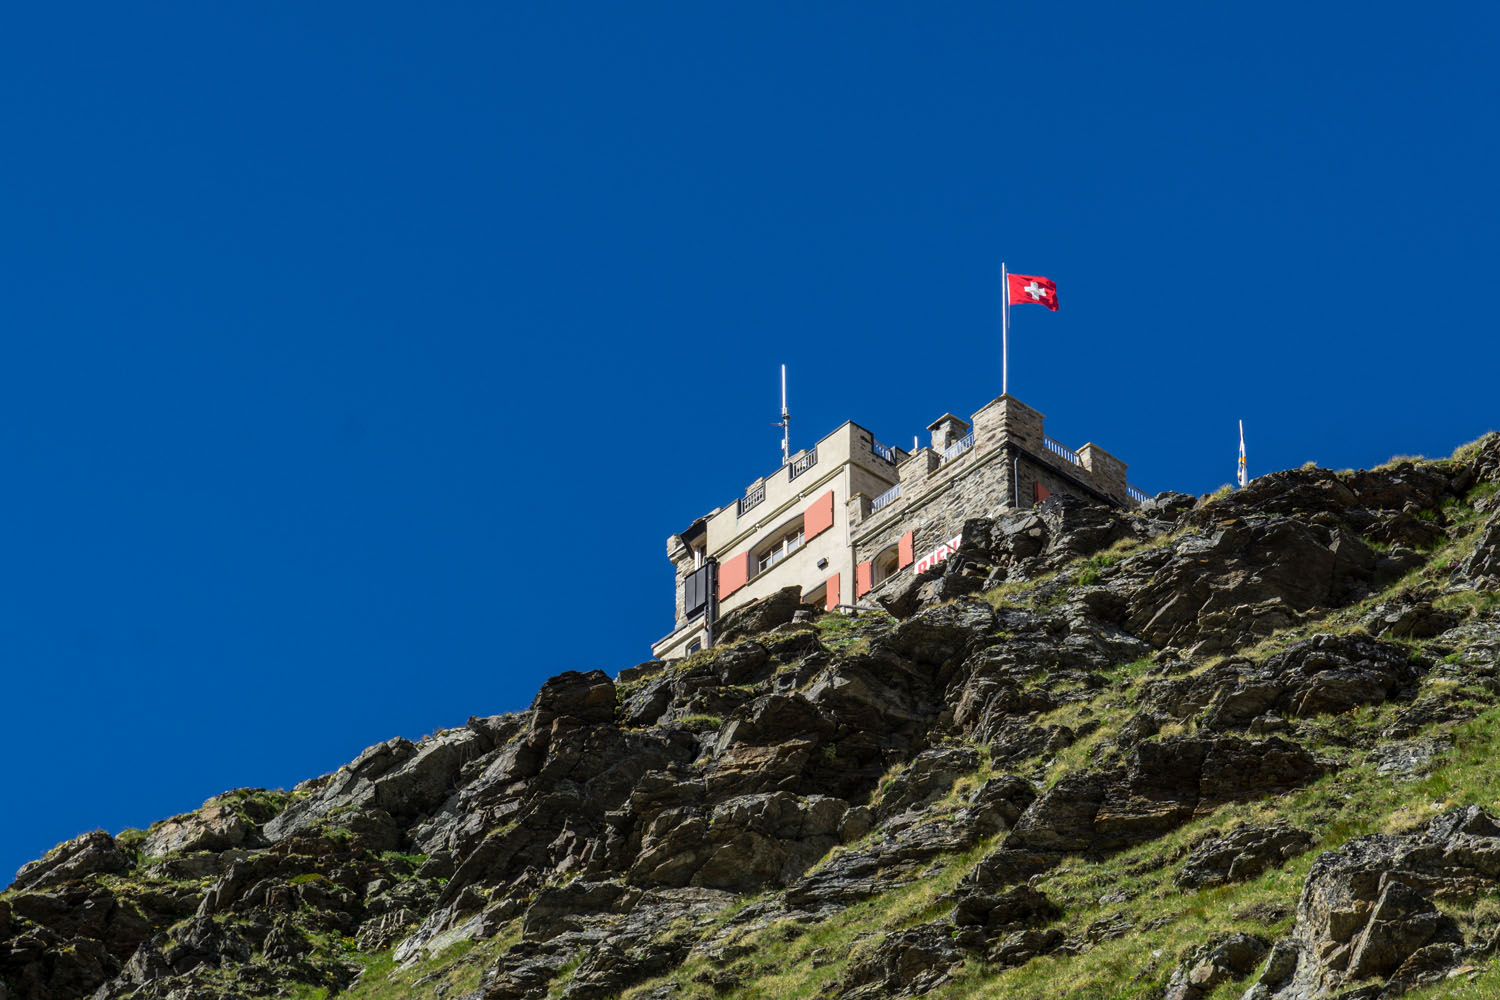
(361, 357)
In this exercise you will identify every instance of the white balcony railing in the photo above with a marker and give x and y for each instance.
(885, 499)
(958, 447)
(1061, 450)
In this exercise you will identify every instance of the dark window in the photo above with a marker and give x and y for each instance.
(695, 592)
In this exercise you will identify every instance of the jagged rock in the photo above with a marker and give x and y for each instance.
(285, 943)
(1369, 907)
(1015, 742)
(1168, 506)
(1242, 854)
(589, 698)
(1000, 802)
(1409, 616)
(640, 672)
(385, 930)
(1222, 959)
(1003, 912)
(1246, 578)
(929, 776)
(646, 704)
(1326, 674)
(1483, 564)
(397, 778)
(904, 964)
(944, 634)
(88, 854)
(656, 934)
(1020, 947)
(1423, 713)
(745, 843)
(1079, 528)
(759, 616)
(545, 917)
(1407, 758)
(215, 827)
(892, 860)
(1162, 785)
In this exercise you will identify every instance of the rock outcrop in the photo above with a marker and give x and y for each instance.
(1081, 710)
(1370, 910)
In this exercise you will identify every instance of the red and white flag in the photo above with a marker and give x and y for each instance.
(1027, 289)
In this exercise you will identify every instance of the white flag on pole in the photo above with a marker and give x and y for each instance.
(1240, 475)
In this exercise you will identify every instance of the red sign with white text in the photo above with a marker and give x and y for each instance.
(938, 554)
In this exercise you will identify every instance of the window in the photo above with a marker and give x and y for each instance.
(695, 593)
(779, 549)
(885, 565)
(695, 646)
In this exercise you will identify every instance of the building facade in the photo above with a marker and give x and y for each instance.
(842, 518)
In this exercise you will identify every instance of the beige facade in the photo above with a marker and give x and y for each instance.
(840, 519)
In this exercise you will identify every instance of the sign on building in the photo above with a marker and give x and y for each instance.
(937, 555)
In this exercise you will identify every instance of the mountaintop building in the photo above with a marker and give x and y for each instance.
(841, 518)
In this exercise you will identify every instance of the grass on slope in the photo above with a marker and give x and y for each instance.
(453, 972)
(790, 959)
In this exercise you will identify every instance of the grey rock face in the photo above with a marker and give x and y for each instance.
(1369, 909)
(929, 776)
(215, 827)
(89, 854)
(1162, 785)
(905, 964)
(1327, 674)
(1483, 565)
(1242, 854)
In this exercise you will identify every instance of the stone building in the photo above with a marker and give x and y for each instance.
(843, 517)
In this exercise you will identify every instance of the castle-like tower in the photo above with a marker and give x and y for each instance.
(842, 518)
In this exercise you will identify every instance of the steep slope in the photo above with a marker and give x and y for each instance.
(1208, 747)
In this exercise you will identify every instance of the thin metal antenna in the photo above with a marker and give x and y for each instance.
(786, 423)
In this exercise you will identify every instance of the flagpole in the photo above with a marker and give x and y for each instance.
(1004, 331)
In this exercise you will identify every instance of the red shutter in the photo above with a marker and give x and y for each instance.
(1041, 492)
(831, 601)
(864, 577)
(818, 517)
(904, 558)
(734, 573)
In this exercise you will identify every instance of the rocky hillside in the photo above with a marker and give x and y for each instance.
(1234, 746)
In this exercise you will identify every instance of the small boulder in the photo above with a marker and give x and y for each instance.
(1222, 959)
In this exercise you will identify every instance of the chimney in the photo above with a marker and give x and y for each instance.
(946, 430)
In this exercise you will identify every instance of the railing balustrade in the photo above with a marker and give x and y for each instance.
(1062, 450)
(802, 464)
(750, 499)
(884, 452)
(889, 496)
(958, 447)
(1138, 495)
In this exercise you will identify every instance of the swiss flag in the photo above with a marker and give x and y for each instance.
(1026, 289)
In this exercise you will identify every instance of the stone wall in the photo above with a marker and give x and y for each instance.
(1009, 459)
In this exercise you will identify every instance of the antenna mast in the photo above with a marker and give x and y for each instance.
(786, 423)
